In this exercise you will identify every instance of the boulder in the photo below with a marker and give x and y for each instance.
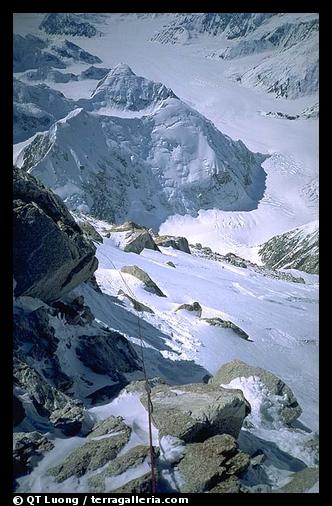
(51, 255)
(90, 456)
(179, 243)
(290, 409)
(195, 307)
(206, 464)
(132, 458)
(136, 238)
(197, 411)
(219, 322)
(137, 241)
(28, 449)
(138, 306)
(171, 264)
(149, 285)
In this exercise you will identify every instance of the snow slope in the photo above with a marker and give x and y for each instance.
(279, 316)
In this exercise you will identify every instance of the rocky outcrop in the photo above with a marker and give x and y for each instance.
(301, 482)
(296, 249)
(107, 352)
(132, 458)
(60, 23)
(219, 322)
(171, 264)
(213, 462)
(34, 340)
(140, 485)
(231, 258)
(28, 449)
(138, 306)
(91, 456)
(231, 485)
(179, 243)
(235, 260)
(64, 413)
(290, 410)
(197, 411)
(89, 231)
(108, 426)
(195, 307)
(51, 254)
(149, 284)
(75, 312)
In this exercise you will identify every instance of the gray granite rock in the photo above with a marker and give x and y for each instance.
(51, 255)
(290, 409)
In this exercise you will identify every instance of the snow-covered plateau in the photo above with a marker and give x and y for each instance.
(166, 220)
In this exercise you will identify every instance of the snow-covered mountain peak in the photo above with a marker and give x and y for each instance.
(121, 69)
(122, 88)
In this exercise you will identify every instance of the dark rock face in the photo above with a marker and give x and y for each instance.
(107, 353)
(30, 52)
(51, 254)
(69, 50)
(34, 340)
(75, 313)
(94, 73)
(64, 413)
(28, 449)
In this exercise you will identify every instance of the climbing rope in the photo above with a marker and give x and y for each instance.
(146, 379)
